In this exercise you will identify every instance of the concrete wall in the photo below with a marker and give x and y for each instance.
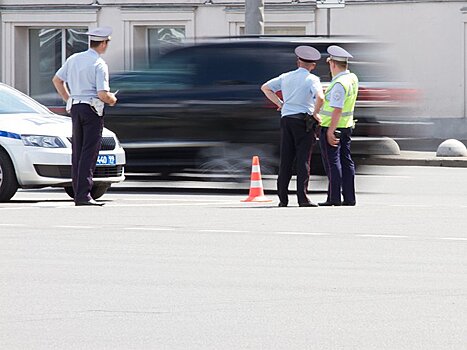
(428, 39)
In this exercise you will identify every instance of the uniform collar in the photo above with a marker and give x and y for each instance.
(93, 52)
(301, 68)
(340, 74)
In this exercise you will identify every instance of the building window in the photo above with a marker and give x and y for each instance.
(280, 30)
(48, 50)
(162, 39)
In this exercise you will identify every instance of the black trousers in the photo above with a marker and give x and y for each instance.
(296, 145)
(87, 139)
(339, 167)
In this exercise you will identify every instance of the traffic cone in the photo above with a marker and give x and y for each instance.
(256, 185)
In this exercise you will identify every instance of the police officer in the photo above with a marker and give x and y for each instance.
(336, 129)
(302, 95)
(83, 82)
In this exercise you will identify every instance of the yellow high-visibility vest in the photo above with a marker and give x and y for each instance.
(350, 83)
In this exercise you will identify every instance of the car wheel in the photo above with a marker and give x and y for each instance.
(97, 190)
(234, 162)
(8, 181)
(69, 191)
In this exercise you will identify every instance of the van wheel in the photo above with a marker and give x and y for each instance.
(97, 190)
(233, 162)
(8, 181)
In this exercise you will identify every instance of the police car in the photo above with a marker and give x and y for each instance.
(35, 149)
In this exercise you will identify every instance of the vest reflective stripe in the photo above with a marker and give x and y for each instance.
(344, 114)
(350, 83)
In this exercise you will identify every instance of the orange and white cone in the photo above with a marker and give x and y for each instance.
(256, 184)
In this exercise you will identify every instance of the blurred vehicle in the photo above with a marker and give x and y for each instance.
(200, 105)
(35, 149)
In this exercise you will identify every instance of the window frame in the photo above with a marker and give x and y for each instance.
(14, 30)
(63, 49)
(136, 22)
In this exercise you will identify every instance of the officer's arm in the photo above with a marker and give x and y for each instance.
(107, 97)
(61, 88)
(318, 104)
(272, 96)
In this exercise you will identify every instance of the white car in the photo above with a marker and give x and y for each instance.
(35, 149)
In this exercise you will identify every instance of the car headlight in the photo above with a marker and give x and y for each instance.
(43, 141)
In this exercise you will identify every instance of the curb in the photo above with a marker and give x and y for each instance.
(414, 158)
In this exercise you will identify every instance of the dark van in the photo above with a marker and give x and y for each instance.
(199, 106)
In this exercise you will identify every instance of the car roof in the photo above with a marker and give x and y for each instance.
(280, 39)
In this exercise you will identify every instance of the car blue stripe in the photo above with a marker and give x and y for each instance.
(10, 135)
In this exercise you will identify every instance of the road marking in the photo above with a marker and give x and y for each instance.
(159, 198)
(411, 205)
(14, 225)
(302, 233)
(14, 208)
(382, 236)
(453, 238)
(225, 231)
(166, 204)
(71, 226)
(149, 228)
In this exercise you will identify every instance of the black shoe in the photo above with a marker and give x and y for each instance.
(90, 202)
(349, 204)
(307, 204)
(329, 204)
(282, 205)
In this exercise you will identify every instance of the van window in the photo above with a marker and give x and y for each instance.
(231, 66)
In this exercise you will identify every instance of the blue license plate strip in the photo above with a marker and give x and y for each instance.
(106, 159)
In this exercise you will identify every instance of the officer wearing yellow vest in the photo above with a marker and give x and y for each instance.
(336, 129)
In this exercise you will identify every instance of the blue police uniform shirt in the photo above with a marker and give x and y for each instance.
(86, 73)
(336, 96)
(299, 91)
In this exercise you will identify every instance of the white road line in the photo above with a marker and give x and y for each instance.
(166, 204)
(302, 233)
(71, 226)
(453, 238)
(14, 225)
(14, 208)
(412, 205)
(159, 199)
(382, 236)
(149, 228)
(225, 231)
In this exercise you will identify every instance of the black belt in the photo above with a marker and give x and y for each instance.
(296, 116)
(77, 102)
(327, 127)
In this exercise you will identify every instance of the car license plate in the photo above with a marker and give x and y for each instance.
(106, 159)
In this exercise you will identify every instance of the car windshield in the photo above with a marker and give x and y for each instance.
(13, 101)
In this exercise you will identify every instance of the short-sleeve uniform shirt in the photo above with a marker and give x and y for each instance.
(336, 96)
(86, 73)
(299, 90)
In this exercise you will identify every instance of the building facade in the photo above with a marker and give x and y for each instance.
(428, 37)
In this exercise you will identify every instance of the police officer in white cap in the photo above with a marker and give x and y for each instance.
(83, 82)
(336, 129)
(302, 98)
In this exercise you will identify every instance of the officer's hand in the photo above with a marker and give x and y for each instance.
(113, 99)
(317, 116)
(107, 97)
(332, 140)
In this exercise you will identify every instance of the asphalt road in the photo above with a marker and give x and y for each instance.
(205, 271)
